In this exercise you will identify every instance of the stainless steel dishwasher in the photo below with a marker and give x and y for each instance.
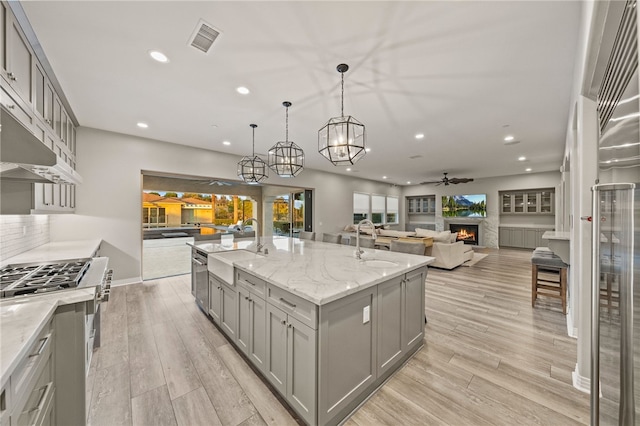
(200, 278)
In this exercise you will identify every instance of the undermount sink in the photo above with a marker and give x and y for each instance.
(221, 263)
(379, 263)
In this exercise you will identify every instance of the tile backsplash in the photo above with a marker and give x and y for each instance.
(19, 233)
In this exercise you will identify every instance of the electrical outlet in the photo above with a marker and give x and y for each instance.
(366, 314)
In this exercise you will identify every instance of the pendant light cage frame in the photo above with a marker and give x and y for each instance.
(253, 169)
(286, 159)
(342, 139)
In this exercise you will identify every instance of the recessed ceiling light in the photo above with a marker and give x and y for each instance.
(348, 169)
(159, 56)
(143, 125)
(242, 90)
(367, 149)
(226, 143)
(508, 138)
(384, 177)
(419, 135)
(522, 158)
(408, 182)
(528, 169)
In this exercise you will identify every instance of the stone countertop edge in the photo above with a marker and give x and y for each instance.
(557, 235)
(273, 269)
(22, 320)
(55, 251)
(524, 226)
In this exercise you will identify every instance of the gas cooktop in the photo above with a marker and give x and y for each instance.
(37, 278)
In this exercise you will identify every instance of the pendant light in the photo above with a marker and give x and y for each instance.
(342, 139)
(253, 169)
(286, 158)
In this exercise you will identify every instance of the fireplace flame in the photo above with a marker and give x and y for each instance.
(463, 234)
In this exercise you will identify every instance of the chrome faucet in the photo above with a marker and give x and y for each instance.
(373, 234)
(253, 219)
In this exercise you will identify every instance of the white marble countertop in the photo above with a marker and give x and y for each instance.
(22, 319)
(323, 272)
(557, 235)
(62, 250)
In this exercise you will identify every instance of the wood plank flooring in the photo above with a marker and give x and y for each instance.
(488, 359)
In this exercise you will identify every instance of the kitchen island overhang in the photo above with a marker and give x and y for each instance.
(324, 328)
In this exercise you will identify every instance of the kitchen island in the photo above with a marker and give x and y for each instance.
(324, 328)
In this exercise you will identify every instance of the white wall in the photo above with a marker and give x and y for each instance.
(491, 187)
(109, 200)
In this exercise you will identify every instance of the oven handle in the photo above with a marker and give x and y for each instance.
(197, 262)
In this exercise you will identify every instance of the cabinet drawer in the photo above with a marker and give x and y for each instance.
(303, 310)
(15, 108)
(38, 405)
(23, 380)
(251, 283)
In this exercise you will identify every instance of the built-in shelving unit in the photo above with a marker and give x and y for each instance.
(421, 212)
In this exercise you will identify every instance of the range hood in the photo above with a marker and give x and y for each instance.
(23, 158)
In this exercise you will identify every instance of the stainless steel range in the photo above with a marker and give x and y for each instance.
(38, 278)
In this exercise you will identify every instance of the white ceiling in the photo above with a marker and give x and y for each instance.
(459, 72)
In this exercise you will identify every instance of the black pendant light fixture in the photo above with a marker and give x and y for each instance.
(286, 158)
(342, 139)
(253, 169)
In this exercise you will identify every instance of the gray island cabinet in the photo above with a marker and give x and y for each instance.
(325, 329)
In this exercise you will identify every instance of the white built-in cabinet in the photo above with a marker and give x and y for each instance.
(529, 202)
(425, 204)
(27, 92)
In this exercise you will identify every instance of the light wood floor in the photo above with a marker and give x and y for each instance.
(488, 359)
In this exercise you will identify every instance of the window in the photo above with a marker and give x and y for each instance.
(360, 207)
(153, 217)
(378, 209)
(392, 209)
(384, 209)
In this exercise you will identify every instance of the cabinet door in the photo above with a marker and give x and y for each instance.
(215, 293)
(19, 62)
(244, 320)
(301, 369)
(63, 126)
(507, 204)
(412, 205)
(413, 328)
(532, 202)
(517, 237)
(229, 311)
(39, 87)
(49, 102)
(530, 238)
(3, 38)
(258, 335)
(425, 205)
(57, 117)
(504, 237)
(546, 202)
(518, 203)
(276, 367)
(390, 315)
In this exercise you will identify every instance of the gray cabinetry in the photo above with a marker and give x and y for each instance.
(223, 309)
(252, 330)
(54, 198)
(291, 361)
(425, 204)
(528, 202)
(521, 237)
(18, 64)
(413, 300)
(390, 319)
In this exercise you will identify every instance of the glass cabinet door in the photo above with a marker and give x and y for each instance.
(518, 203)
(532, 202)
(412, 205)
(545, 202)
(425, 205)
(506, 203)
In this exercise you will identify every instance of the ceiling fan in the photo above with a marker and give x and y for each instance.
(215, 182)
(448, 181)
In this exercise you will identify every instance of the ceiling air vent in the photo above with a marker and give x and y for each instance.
(203, 36)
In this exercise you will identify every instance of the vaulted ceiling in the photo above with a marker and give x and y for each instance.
(464, 74)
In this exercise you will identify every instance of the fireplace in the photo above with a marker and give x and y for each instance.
(466, 232)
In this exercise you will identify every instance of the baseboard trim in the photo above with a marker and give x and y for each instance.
(581, 383)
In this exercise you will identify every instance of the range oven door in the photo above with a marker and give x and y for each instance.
(200, 279)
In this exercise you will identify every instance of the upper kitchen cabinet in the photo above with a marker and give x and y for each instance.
(17, 66)
(528, 202)
(421, 205)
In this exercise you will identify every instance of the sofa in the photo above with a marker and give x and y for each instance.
(448, 252)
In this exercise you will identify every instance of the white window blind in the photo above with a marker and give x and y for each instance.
(360, 203)
(392, 209)
(377, 208)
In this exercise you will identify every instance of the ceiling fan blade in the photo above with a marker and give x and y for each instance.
(430, 182)
(460, 180)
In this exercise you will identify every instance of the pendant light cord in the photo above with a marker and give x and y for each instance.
(253, 145)
(286, 134)
(342, 96)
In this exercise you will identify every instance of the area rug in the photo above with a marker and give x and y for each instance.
(477, 257)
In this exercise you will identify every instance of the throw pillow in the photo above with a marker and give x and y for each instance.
(454, 237)
(420, 232)
(442, 237)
